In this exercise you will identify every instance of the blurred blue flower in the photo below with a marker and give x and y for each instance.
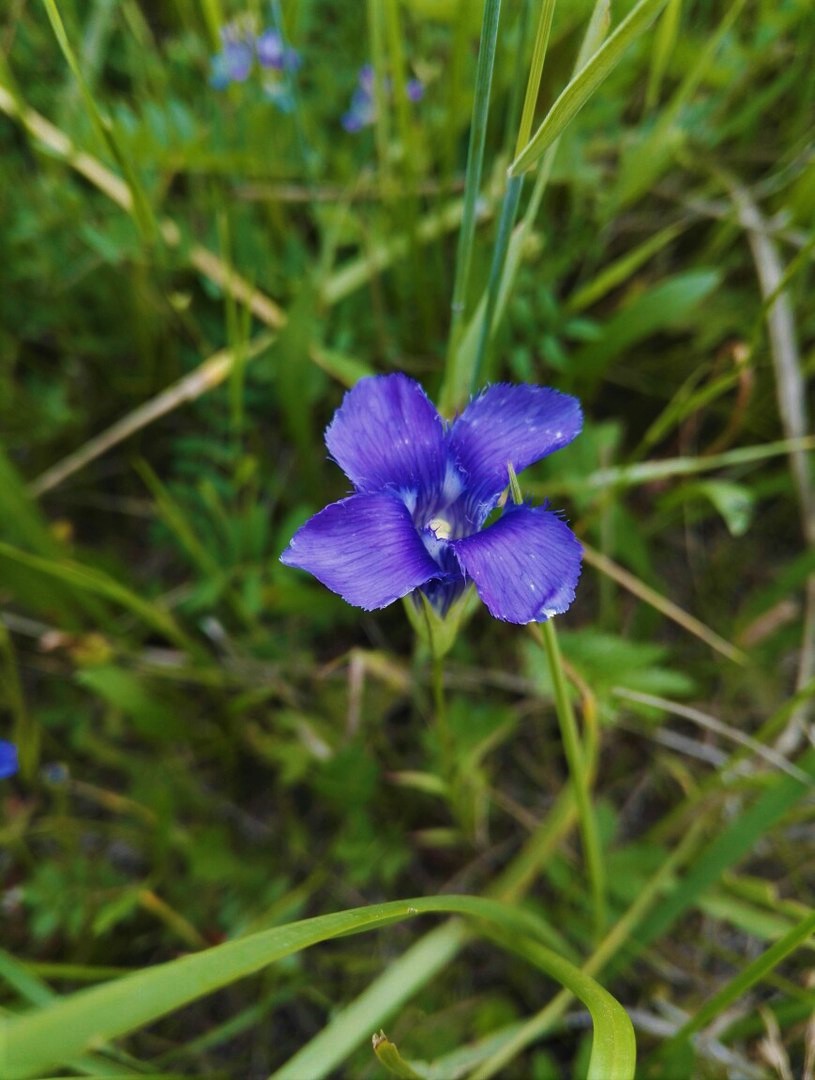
(272, 53)
(9, 763)
(241, 46)
(423, 490)
(361, 112)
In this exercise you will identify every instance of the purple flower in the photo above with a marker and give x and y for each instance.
(8, 759)
(234, 62)
(241, 46)
(423, 490)
(362, 110)
(272, 53)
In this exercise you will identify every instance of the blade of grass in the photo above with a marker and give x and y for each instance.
(36, 992)
(211, 373)
(98, 583)
(664, 42)
(731, 844)
(542, 32)
(511, 201)
(459, 371)
(792, 398)
(711, 723)
(641, 170)
(622, 269)
(475, 162)
(648, 472)
(753, 973)
(509, 210)
(60, 1030)
(417, 966)
(142, 210)
(585, 83)
(662, 604)
(388, 1056)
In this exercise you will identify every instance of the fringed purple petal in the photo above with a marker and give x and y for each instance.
(525, 565)
(515, 425)
(365, 548)
(387, 434)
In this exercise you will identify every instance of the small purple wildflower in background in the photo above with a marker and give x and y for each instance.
(362, 110)
(424, 489)
(8, 759)
(233, 64)
(273, 54)
(241, 47)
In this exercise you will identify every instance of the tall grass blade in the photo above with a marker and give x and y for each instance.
(753, 973)
(475, 162)
(142, 209)
(585, 84)
(730, 846)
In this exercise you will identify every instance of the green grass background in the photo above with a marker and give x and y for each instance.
(213, 746)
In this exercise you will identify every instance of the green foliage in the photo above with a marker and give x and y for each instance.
(222, 763)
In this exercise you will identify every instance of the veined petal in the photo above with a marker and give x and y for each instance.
(510, 424)
(525, 565)
(365, 548)
(387, 433)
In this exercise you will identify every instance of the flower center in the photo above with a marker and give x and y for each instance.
(441, 528)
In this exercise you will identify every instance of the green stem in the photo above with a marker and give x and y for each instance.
(472, 183)
(509, 209)
(442, 725)
(577, 773)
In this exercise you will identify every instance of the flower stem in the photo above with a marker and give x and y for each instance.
(442, 726)
(546, 635)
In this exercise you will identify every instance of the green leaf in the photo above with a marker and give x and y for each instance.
(666, 306)
(64, 1029)
(735, 502)
(152, 715)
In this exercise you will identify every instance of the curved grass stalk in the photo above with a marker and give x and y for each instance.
(612, 943)
(64, 1029)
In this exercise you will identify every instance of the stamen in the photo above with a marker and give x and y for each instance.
(440, 528)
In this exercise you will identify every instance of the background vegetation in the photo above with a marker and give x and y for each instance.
(213, 745)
